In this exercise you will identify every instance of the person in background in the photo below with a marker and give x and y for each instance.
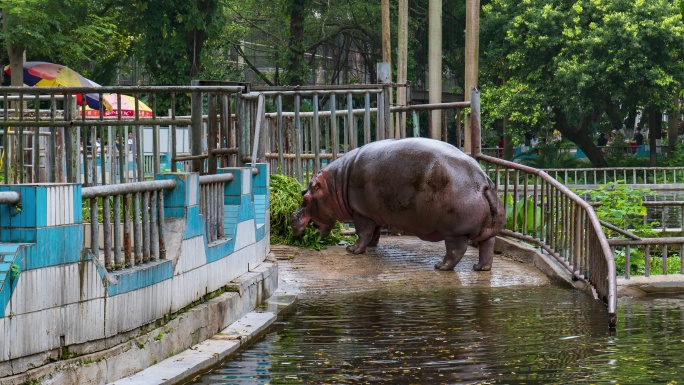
(638, 137)
(534, 141)
(602, 141)
(501, 146)
(130, 141)
(528, 138)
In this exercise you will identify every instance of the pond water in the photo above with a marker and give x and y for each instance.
(540, 335)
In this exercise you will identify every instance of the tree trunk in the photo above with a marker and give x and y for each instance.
(508, 141)
(16, 59)
(580, 136)
(295, 44)
(673, 124)
(653, 134)
(387, 58)
(592, 152)
(435, 66)
(15, 53)
(402, 55)
(194, 41)
(472, 56)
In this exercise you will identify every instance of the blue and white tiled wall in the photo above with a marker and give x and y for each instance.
(60, 294)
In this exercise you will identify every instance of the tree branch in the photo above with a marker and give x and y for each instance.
(251, 66)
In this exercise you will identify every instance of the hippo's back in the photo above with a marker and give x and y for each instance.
(418, 185)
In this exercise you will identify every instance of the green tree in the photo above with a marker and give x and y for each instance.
(301, 35)
(74, 33)
(570, 65)
(170, 36)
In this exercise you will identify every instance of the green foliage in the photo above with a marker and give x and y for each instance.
(550, 155)
(637, 262)
(622, 206)
(286, 197)
(15, 271)
(675, 158)
(75, 33)
(572, 65)
(524, 216)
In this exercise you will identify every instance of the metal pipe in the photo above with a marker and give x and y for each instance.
(257, 128)
(9, 197)
(217, 178)
(127, 188)
(154, 227)
(146, 226)
(117, 232)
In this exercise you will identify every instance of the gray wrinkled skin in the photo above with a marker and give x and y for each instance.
(422, 186)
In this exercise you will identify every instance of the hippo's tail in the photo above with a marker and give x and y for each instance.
(496, 219)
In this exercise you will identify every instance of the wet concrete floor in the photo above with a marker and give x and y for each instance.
(397, 260)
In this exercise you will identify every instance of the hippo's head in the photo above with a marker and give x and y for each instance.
(317, 207)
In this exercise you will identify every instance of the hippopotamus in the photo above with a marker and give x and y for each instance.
(421, 186)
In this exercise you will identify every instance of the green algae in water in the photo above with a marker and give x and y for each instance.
(544, 335)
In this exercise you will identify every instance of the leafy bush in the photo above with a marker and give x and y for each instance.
(522, 217)
(622, 206)
(637, 262)
(286, 196)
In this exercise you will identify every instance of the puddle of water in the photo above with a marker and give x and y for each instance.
(539, 335)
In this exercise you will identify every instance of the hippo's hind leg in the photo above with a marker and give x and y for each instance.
(455, 249)
(376, 237)
(486, 255)
(365, 230)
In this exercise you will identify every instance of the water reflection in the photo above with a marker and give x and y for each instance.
(496, 336)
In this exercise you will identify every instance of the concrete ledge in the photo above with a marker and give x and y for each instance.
(203, 356)
(166, 338)
(655, 284)
(547, 264)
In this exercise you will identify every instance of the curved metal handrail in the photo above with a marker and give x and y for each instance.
(585, 243)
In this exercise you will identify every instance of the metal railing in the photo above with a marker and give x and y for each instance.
(47, 137)
(649, 247)
(340, 119)
(212, 194)
(313, 124)
(653, 177)
(143, 219)
(543, 211)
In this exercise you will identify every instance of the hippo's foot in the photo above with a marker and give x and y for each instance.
(486, 255)
(356, 249)
(482, 267)
(455, 249)
(444, 266)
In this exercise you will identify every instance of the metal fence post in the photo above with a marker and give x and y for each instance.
(384, 77)
(212, 132)
(196, 126)
(475, 145)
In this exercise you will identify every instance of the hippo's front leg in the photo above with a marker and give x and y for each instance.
(486, 249)
(455, 249)
(365, 230)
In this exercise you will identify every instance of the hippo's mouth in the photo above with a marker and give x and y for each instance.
(298, 222)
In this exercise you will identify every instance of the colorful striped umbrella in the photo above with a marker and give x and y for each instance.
(111, 110)
(42, 74)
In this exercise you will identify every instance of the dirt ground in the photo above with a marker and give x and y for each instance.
(397, 260)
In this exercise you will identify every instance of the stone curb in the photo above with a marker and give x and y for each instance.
(203, 356)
